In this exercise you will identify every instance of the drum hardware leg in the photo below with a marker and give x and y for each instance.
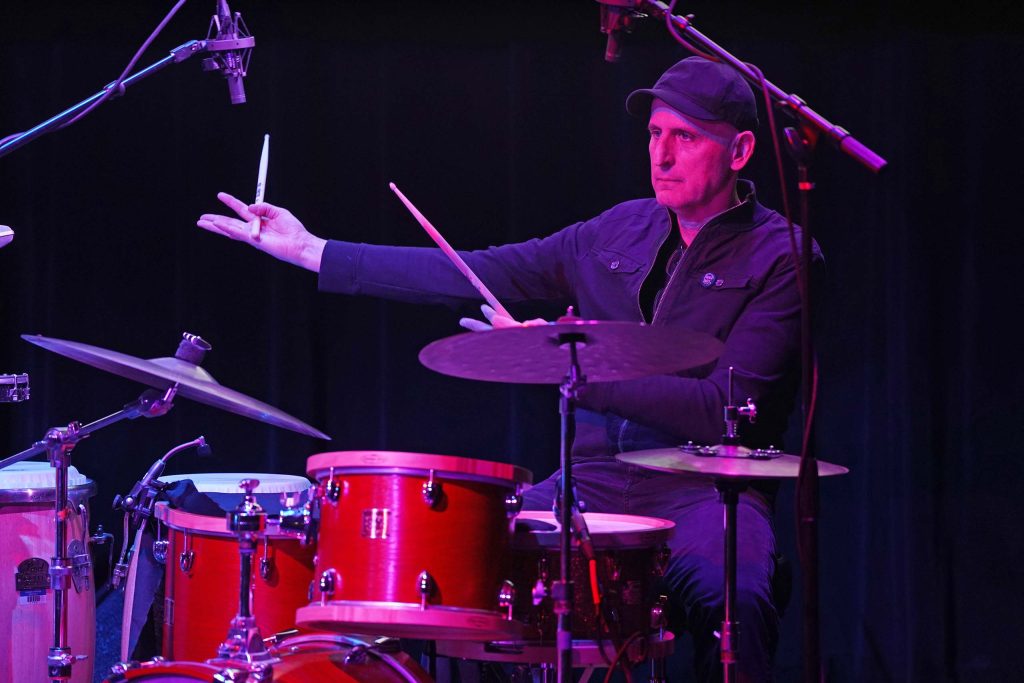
(659, 622)
(507, 597)
(433, 491)
(431, 653)
(244, 643)
(426, 586)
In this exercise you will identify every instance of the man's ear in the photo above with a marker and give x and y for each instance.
(742, 150)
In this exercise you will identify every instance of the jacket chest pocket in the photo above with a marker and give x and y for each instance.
(722, 281)
(613, 263)
(707, 301)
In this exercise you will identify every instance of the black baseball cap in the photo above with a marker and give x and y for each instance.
(705, 90)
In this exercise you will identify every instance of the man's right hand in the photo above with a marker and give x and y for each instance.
(281, 235)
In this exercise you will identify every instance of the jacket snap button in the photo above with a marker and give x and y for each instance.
(614, 265)
(708, 280)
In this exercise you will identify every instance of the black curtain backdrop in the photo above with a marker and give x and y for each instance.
(502, 122)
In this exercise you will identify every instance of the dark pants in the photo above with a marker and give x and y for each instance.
(695, 574)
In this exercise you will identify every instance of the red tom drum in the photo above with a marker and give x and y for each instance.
(413, 545)
(201, 580)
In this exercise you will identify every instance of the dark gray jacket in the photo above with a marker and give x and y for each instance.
(736, 281)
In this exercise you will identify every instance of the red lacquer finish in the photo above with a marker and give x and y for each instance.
(379, 532)
(201, 601)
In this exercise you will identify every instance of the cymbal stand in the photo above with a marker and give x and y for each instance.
(729, 493)
(58, 444)
(569, 515)
(244, 644)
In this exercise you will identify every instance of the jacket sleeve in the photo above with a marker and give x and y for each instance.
(763, 349)
(538, 269)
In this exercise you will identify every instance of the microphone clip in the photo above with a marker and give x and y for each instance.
(230, 44)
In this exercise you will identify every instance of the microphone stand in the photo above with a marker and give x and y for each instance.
(176, 56)
(788, 102)
(801, 141)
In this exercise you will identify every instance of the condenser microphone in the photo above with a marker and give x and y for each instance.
(230, 45)
(616, 17)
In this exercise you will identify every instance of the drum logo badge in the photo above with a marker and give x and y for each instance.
(375, 523)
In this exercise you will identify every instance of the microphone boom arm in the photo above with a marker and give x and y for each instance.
(790, 103)
(175, 56)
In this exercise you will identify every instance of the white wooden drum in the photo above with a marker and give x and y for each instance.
(26, 547)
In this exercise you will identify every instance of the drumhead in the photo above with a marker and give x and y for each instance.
(227, 482)
(31, 482)
(319, 466)
(223, 489)
(606, 530)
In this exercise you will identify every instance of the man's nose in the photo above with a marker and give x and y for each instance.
(661, 152)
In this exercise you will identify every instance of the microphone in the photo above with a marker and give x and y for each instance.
(616, 17)
(231, 47)
(6, 235)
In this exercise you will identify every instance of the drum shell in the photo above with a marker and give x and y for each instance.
(26, 630)
(412, 545)
(629, 567)
(303, 659)
(462, 543)
(200, 601)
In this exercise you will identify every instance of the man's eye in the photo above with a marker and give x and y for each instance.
(654, 132)
(684, 135)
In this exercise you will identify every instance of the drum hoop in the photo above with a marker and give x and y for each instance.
(76, 494)
(320, 465)
(280, 647)
(203, 487)
(204, 525)
(659, 531)
(361, 609)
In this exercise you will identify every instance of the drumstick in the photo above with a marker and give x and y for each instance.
(452, 254)
(261, 185)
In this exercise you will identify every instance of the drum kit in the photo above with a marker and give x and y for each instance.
(278, 578)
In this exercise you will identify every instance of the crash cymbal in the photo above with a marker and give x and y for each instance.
(729, 462)
(193, 381)
(608, 351)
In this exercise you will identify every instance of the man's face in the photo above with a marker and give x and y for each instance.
(691, 162)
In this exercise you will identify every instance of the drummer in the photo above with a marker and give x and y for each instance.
(702, 254)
